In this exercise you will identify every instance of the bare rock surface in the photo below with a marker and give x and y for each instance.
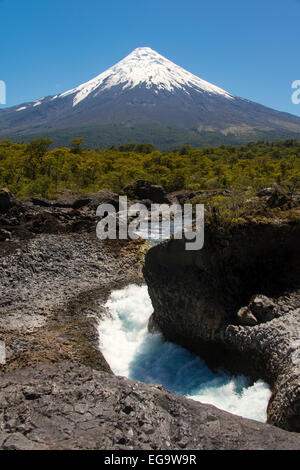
(48, 272)
(70, 406)
(236, 302)
(55, 277)
(56, 389)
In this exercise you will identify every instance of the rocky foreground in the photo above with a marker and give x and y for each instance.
(56, 389)
(71, 406)
(237, 302)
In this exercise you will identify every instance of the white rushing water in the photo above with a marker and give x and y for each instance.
(133, 352)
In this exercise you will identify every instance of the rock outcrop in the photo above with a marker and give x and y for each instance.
(237, 304)
(55, 277)
(6, 200)
(144, 190)
(279, 197)
(71, 199)
(260, 310)
(70, 406)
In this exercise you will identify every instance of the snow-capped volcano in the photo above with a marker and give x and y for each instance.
(144, 67)
(145, 88)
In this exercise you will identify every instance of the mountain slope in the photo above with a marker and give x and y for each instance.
(164, 138)
(146, 88)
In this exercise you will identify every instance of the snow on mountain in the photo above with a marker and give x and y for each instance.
(146, 88)
(145, 66)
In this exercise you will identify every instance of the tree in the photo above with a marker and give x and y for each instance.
(76, 145)
(34, 154)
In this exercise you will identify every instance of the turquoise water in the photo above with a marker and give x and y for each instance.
(133, 352)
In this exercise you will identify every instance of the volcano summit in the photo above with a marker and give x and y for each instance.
(145, 88)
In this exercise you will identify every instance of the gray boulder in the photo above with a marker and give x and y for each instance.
(263, 308)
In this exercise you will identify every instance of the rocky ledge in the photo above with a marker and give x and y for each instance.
(55, 277)
(236, 302)
(70, 406)
(56, 389)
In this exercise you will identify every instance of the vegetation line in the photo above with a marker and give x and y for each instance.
(34, 169)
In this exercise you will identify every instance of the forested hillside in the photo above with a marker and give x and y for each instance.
(164, 138)
(37, 169)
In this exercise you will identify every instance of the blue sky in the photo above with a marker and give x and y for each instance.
(250, 48)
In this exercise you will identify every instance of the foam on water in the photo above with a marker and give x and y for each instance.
(133, 352)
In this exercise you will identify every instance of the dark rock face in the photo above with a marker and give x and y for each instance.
(71, 199)
(260, 310)
(94, 200)
(279, 197)
(200, 297)
(142, 189)
(6, 200)
(182, 197)
(263, 308)
(70, 406)
(71, 213)
(42, 202)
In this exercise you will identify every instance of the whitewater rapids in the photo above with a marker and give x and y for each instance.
(133, 352)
